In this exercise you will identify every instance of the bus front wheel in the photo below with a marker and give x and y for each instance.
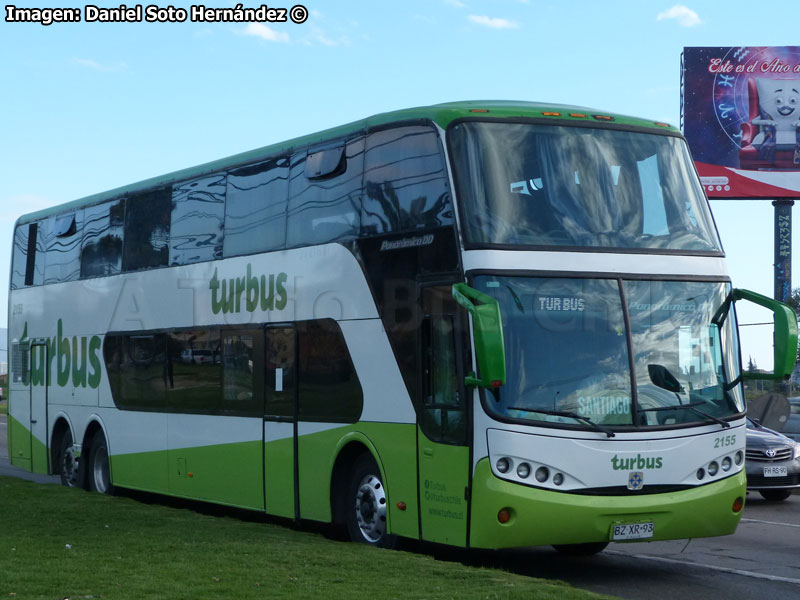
(367, 505)
(99, 470)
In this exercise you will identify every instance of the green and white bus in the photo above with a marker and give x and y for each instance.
(485, 324)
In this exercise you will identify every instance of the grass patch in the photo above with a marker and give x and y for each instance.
(3, 408)
(64, 543)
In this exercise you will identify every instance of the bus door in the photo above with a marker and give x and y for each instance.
(443, 421)
(280, 421)
(39, 360)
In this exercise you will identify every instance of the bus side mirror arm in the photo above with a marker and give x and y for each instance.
(487, 328)
(785, 335)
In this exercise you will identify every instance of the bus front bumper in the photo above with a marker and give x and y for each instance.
(543, 517)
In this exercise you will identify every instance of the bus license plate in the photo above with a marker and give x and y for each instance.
(775, 472)
(633, 531)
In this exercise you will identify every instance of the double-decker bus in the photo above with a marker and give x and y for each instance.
(484, 324)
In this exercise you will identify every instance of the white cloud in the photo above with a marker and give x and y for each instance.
(683, 14)
(492, 22)
(455, 3)
(317, 35)
(265, 33)
(93, 64)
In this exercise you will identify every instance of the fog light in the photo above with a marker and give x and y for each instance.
(738, 504)
(558, 479)
(738, 457)
(542, 474)
(701, 473)
(713, 467)
(726, 463)
(504, 515)
(503, 465)
(523, 470)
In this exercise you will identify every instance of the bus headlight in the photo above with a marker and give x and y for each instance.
(503, 465)
(523, 470)
(726, 463)
(542, 474)
(713, 467)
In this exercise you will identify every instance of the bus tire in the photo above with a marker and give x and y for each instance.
(99, 471)
(366, 505)
(67, 465)
(587, 549)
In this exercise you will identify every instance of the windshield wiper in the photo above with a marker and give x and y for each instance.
(691, 406)
(566, 413)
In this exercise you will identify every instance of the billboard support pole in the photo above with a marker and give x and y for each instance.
(783, 248)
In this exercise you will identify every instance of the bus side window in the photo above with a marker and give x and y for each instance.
(405, 182)
(255, 207)
(326, 208)
(198, 210)
(443, 418)
(329, 388)
(238, 373)
(137, 370)
(193, 371)
(101, 248)
(147, 219)
(26, 269)
(62, 246)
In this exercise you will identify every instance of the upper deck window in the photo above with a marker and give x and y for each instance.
(101, 248)
(63, 238)
(405, 181)
(325, 207)
(147, 221)
(198, 211)
(542, 185)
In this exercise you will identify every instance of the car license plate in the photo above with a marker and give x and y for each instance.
(775, 472)
(632, 531)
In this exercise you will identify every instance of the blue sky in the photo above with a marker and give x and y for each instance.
(91, 106)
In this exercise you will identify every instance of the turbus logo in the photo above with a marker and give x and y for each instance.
(77, 359)
(637, 462)
(265, 292)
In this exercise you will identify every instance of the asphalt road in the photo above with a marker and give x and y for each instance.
(760, 561)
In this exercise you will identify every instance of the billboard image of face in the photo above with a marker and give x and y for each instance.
(741, 117)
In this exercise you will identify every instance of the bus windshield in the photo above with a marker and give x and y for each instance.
(568, 345)
(542, 185)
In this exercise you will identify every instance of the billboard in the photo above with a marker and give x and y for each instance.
(741, 116)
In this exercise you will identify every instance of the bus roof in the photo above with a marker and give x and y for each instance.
(441, 114)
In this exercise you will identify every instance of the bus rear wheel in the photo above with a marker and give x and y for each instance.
(99, 470)
(67, 465)
(367, 505)
(587, 549)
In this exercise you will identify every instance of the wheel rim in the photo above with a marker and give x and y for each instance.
(69, 471)
(370, 507)
(100, 470)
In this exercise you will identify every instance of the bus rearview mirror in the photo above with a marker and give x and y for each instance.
(785, 335)
(487, 327)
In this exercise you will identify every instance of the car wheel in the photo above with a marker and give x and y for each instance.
(99, 470)
(775, 495)
(366, 505)
(67, 465)
(587, 549)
